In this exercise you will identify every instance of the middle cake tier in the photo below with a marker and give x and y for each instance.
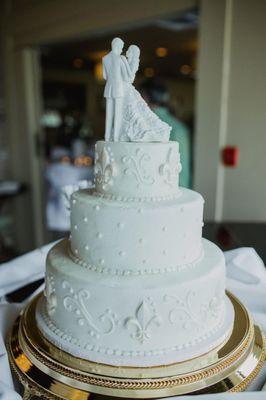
(136, 238)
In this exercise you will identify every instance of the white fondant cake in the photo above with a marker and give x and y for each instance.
(135, 285)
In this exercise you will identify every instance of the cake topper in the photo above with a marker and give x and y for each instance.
(128, 117)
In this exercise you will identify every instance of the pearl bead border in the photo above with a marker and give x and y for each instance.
(133, 272)
(143, 199)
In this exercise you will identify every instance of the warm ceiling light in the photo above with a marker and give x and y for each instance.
(149, 72)
(185, 69)
(96, 55)
(65, 160)
(88, 161)
(98, 71)
(83, 161)
(161, 51)
(78, 63)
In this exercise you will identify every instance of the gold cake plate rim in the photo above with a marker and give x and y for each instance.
(232, 372)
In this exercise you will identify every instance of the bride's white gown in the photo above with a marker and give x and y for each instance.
(139, 122)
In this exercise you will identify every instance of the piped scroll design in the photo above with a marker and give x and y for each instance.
(75, 303)
(171, 168)
(184, 312)
(136, 166)
(49, 292)
(105, 169)
(145, 318)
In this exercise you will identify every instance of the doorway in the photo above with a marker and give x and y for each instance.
(74, 108)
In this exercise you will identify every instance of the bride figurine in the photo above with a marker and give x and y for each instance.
(139, 122)
(131, 119)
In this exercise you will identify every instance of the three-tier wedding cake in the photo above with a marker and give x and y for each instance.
(135, 284)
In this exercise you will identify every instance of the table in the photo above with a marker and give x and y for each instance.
(9, 190)
(229, 235)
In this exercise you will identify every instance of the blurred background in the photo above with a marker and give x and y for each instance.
(204, 57)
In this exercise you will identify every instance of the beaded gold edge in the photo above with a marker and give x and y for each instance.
(133, 384)
(33, 389)
(242, 386)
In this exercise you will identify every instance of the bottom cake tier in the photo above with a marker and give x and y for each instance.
(142, 320)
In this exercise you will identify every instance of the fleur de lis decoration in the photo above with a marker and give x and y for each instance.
(49, 292)
(171, 168)
(105, 169)
(145, 318)
(214, 307)
(68, 190)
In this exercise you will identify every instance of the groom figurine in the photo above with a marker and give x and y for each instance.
(115, 73)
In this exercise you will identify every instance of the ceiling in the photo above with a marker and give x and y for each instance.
(179, 35)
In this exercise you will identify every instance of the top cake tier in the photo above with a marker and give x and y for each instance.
(137, 171)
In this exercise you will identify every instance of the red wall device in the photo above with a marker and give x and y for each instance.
(230, 156)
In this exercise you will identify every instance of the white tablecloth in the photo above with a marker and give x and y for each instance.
(246, 278)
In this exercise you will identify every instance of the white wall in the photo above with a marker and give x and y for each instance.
(245, 186)
(209, 110)
(231, 109)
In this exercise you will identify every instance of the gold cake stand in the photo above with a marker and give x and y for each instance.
(49, 373)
